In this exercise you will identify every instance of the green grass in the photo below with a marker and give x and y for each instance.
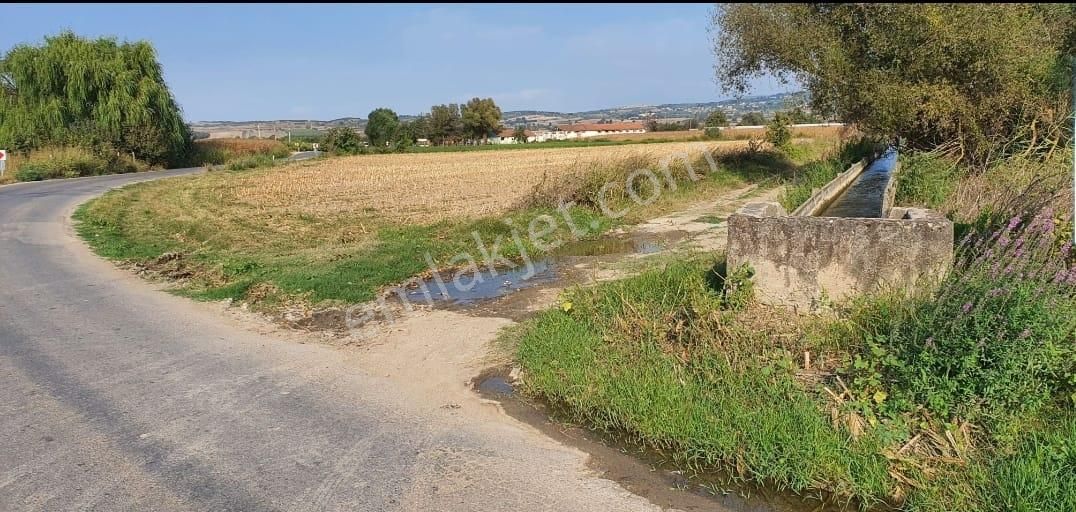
(1035, 476)
(392, 255)
(925, 179)
(648, 359)
(656, 360)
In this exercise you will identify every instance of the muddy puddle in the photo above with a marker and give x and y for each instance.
(608, 246)
(511, 292)
(639, 471)
(468, 288)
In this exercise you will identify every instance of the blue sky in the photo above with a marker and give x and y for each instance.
(325, 61)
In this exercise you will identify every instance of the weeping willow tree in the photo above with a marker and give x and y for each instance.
(98, 94)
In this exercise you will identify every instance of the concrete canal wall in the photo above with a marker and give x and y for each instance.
(804, 261)
(831, 191)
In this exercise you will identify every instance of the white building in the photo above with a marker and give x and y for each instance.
(508, 136)
(583, 130)
(569, 131)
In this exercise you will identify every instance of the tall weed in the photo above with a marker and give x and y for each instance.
(994, 346)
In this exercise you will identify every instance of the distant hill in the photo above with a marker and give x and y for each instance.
(734, 107)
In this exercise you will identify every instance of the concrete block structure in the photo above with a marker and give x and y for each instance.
(807, 262)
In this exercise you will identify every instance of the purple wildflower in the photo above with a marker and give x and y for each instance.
(1015, 221)
(1060, 276)
(1003, 241)
(966, 307)
(1066, 249)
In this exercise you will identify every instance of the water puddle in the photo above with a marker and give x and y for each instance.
(863, 198)
(607, 246)
(496, 386)
(471, 287)
(641, 472)
(467, 287)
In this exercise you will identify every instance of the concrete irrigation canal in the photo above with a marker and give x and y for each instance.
(846, 239)
(864, 198)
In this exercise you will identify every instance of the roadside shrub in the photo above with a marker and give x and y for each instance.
(29, 173)
(210, 156)
(71, 162)
(994, 346)
(343, 140)
(778, 132)
(250, 162)
(222, 151)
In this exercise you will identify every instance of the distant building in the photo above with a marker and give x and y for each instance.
(422, 143)
(508, 136)
(569, 131)
(583, 130)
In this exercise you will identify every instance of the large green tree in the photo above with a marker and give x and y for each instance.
(446, 123)
(752, 119)
(717, 118)
(975, 75)
(343, 140)
(94, 93)
(481, 117)
(382, 127)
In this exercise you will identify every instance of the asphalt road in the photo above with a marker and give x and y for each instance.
(117, 396)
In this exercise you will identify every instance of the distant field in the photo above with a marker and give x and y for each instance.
(429, 186)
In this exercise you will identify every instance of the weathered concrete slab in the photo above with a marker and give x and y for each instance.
(803, 262)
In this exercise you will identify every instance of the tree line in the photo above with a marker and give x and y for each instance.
(448, 124)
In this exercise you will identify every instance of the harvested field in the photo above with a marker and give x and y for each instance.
(433, 186)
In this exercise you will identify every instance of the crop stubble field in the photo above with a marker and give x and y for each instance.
(433, 186)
